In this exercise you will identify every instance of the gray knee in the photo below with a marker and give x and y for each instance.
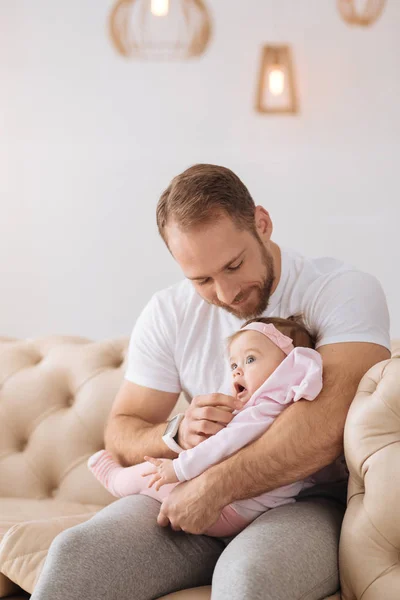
(235, 576)
(71, 554)
(69, 543)
(67, 571)
(250, 574)
(287, 553)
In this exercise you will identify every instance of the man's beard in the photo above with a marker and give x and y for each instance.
(263, 291)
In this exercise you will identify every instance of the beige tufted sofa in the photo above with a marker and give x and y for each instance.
(55, 395)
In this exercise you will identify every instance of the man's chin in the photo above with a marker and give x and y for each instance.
(250, 309)
(245, 313)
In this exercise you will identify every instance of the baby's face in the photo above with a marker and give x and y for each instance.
(253, 358)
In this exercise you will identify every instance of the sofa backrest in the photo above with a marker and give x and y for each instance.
(55, 395)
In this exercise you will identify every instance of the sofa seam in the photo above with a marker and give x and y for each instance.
(376, 529)
(16, 558)
(377, 452)
(95, 373)
(79, 461)
(376, 579)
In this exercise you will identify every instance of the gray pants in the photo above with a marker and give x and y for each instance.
(288, 553)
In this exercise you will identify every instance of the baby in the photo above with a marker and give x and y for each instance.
(273, 364)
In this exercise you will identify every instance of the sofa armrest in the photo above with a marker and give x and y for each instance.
(370, 536)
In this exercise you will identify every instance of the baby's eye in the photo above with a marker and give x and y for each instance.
(250, 359)
(233, 366)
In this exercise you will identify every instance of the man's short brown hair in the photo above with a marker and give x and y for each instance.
(201, 194)
(293, 327)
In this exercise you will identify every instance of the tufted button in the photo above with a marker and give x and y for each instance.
(38, 359)
(118, 363)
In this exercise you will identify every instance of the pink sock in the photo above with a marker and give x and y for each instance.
(125, 481)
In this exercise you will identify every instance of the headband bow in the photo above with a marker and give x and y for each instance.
(283, 342)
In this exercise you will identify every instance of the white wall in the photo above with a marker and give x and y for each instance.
(89, 140)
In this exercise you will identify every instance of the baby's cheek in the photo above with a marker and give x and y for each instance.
(253, 384)
(259, 380)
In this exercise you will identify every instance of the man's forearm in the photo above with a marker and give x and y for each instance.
(262, 466)
(130, 438)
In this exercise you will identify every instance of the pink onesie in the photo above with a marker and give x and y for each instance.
(299, 376)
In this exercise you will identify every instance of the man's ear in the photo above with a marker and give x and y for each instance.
(263, 223)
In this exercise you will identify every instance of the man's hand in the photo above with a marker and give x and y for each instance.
(206, 415)
(190, 507)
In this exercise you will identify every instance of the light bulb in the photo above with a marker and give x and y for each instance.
(159, 8)
(276, 80)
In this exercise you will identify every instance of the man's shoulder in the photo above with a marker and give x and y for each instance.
(340, 274)
(324, 280)
(305, 276)
(328, 275)
(319, 267)
(345, 304)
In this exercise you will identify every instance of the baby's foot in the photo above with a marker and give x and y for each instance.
(120, 481)
(105, 469)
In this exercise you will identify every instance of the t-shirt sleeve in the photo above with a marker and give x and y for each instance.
(151, 355)
(350, 307)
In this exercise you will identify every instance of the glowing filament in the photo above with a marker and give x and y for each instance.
(160, 8)
(276, 81)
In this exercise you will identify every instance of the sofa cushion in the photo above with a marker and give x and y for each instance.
(26, 531)
(204, 593)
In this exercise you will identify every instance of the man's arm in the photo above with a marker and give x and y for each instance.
(137, 422)
(306, 437)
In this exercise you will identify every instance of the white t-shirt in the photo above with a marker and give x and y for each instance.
(179, 340)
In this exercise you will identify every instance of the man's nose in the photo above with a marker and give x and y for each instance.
(226, 293)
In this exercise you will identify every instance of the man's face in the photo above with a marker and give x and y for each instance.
(228, 267)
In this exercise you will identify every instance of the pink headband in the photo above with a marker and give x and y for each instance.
(283, 342)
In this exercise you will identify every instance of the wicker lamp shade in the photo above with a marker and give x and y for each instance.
(361, 12)
(160, 29)
(276, 88)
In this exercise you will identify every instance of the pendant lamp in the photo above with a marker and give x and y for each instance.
(276, 90)
(160, 29)
(361, 12)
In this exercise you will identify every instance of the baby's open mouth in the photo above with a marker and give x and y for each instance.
(239, 388)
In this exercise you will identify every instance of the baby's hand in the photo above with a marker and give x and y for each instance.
(163, 472)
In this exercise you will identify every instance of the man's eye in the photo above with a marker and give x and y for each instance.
(250, 359)
(233, 366)
(236, 267)
(203, 282)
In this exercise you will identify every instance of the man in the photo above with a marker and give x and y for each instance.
(137, 549)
